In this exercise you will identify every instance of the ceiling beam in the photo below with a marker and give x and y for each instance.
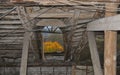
(109, 23)
(85, 15)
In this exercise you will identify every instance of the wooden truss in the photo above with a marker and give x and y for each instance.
(110, 25)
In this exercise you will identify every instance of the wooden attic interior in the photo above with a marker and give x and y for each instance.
(82, 22)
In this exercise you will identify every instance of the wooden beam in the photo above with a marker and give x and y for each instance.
(63, 3)
(37, 44)
(26, 41)
(110, 53)
(28, 25)
(107, 23)
(73, 70)
(94, 54)
(110, 46)
(10, 41)
(57, 2)
(5, 14)
(84, 15)
(16, 31)
(42, 52)
(45, 64)
(10, 22)
(53, 22)
(65, 40)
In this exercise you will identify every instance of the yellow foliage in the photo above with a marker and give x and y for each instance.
(50, 47)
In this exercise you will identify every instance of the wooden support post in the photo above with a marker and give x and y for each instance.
(110, 45)
(28, 25)
(73, 70)
(65, 40)
(94, 54)
(65, 46)
(43, 53)
(23, 68)
(110, 53)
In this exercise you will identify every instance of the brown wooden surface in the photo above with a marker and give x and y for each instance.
(23, 68)
(62, 1)
(94, 54)
(110, 53)
(73, 70)
(110, 46)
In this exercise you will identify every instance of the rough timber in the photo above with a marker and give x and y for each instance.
(63, 14)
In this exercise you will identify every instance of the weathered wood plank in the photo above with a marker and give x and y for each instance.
(10, 22)
(110, 53)
(73, 70)
(26, 42)
(10, 41)
(11, 35)
(94, 54)
(60, 2)
(83, 16)
(11, 17)
(12, 38)
(110, 45)
(10, 27)
(109, 23)
(42, 49)
(28, 25)
(52, 22)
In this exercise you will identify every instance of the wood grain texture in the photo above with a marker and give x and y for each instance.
(110, 48)
(23, 68)
(94, 54)
(110, 53)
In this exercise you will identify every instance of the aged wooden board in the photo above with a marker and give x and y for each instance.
(110, 52)
(108, 23)
(26, 42)
(94, 54)
(110, 45)
(63, 15)
(61, 2)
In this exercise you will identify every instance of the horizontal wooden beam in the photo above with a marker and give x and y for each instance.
(11, 35)
(12, 38)
(85, 15)
(10, 22)
(13, 31)
(42, 64)
(57, 2)
(108, 23)
(13, 17)
(10, 41)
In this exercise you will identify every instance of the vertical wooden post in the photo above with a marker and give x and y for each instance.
(110, 45)
(23, 68)
(65, 40)
(43, 53)
(86, 70)
(39, 41)
(73, 70)
(28, 25)
(94, 54)
(110, 53)
(65, 47)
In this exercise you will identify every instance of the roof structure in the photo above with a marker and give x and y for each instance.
(22, 22)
